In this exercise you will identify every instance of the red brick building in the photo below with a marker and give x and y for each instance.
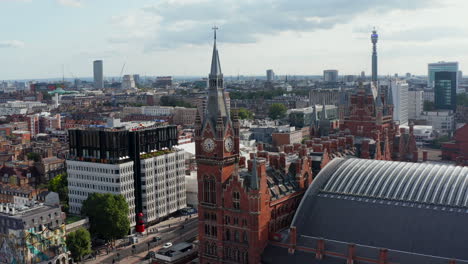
(240, 206)
(457, 150)
(369, 118)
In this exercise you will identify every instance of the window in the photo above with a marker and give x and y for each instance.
(209, 190)
(236, 200)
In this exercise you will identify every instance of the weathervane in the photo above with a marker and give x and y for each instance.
(214, 29)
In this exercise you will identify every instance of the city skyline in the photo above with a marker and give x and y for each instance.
(170, 37)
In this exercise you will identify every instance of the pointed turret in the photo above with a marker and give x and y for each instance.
(324, 116)
(254, 181)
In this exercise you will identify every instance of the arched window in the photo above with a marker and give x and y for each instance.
(209, 190)
(236, 236)
(228, 234)
(214, 249)
(245, 239)
(236, 200)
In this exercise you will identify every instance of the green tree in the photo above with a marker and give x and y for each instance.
(277, 111)
(79, 243)
(108, 215)
(245, 114)
(33, 156)
(59, 184)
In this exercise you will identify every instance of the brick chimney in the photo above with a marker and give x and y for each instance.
(365, 149)
(349, 141)
(260, 147)
(317, 147)
(297, 146)
(415, 156)
(425, 155)
(242, 162)
(282, 161)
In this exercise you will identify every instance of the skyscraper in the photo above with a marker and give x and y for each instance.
(270, 75)
(98, 74)
(445, 93)
(374, 38)
(440, 66)
(330, 75)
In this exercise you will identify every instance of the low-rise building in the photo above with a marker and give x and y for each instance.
(442, 121)
(33, 233)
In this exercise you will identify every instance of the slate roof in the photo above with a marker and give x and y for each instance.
(418, 211)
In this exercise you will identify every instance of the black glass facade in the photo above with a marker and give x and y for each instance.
(445, 90)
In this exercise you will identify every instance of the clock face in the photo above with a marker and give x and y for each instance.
(228, 144)
(209, 145)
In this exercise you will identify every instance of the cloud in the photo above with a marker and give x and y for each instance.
(11, 44)
(186, 22)
(70, 3)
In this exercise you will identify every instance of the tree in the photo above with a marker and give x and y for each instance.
(245, 114)
(277, 111)
(33, 156)
(59, 184)
(79, 243)
(108, 215)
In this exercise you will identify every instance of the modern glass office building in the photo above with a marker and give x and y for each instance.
(445, 90)
(439, 67)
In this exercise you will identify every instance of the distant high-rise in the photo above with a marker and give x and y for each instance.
(415, 104)
(374, 38)
(136, 78)
(400, 101)
(98, 74)
(363, 74)
(445, 90)
(408, 75)
(128, 82)
(439, 67)
(330, 75)
(270, 75)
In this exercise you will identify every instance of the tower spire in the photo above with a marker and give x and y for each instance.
(216, 106)
(215, 64)
(374, 39)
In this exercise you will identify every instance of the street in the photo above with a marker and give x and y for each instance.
(176, 234)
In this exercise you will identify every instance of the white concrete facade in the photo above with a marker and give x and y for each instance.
(158, 110)
(442, 121)
(163, 185)
(415, 104)
(400, 101)
(85, 178)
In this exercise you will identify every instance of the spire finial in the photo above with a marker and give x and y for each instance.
(214, 30)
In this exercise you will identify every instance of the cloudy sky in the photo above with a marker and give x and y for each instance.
(174, 37)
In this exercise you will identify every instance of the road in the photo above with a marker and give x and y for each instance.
(189, 231)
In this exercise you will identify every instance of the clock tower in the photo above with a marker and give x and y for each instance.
(217, 154)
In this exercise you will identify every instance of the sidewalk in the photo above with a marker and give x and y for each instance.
(159, 228)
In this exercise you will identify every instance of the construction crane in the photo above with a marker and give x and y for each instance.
(121, 72)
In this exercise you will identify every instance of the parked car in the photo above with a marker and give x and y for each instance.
(150, 255)
(156, 238)
(167, 245)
